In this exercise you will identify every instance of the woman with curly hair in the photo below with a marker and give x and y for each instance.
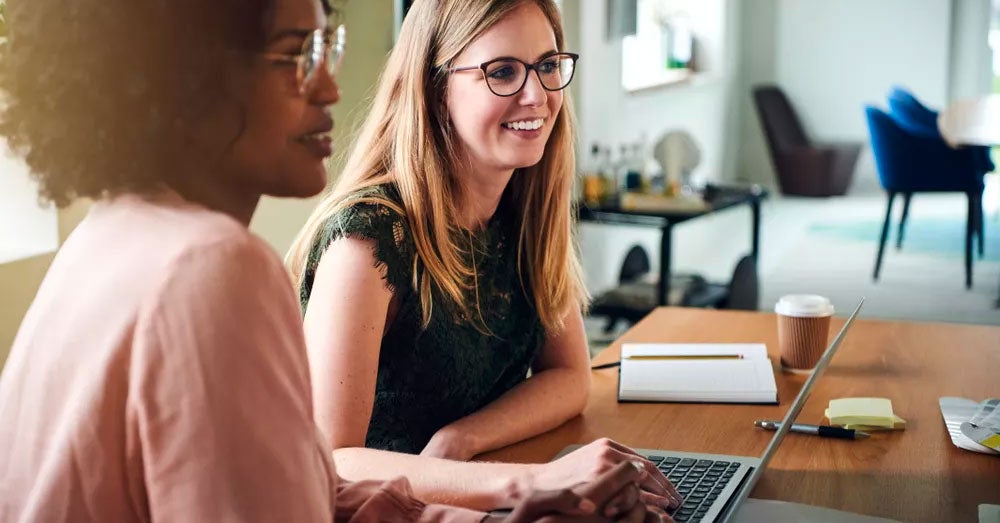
(441, 268)
(161, 373)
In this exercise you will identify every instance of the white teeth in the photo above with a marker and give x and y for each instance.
(525, 125)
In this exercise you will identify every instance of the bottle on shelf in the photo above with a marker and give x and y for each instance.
(621, 166)
(636, 165)
(593, 179)
(607, 170)
(652, 173)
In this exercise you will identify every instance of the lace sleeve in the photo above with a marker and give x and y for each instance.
(379, 223)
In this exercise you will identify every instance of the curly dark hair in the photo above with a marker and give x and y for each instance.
(100, 95)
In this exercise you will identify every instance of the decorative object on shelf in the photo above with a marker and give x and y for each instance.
(681, 53)
(677, 39)
(678, 154)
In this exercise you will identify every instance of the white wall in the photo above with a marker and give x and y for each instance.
(610, 116)
(833, 57)
(757, 65)
(26, 229)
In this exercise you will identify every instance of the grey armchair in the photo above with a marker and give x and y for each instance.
(804, 168)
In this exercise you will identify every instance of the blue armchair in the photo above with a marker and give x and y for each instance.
(909, 162)
(920, 120)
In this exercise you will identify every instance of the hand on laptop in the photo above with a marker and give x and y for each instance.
(590, 461)
(613, 496)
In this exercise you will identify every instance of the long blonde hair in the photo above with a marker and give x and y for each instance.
(406, 141)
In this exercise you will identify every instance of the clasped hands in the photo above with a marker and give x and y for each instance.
(601, 481)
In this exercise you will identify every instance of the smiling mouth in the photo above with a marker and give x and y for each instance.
(320, 144)
(524, 125)
(322, 136)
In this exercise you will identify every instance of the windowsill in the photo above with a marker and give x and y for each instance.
(669, 78)
(14, 253)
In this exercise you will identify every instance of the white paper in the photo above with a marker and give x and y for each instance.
(988, 415)
(747, 380)
(956, 411)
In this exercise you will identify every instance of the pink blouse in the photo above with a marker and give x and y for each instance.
(161, 375)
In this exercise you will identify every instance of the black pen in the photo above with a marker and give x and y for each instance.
(823, 431)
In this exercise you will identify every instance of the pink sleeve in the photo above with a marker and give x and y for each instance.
(219, 398)
(372, 501)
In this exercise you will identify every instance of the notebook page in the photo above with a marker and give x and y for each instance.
(744, 380)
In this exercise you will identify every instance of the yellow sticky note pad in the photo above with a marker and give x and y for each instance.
(869, 413)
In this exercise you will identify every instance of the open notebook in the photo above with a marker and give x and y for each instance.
(706, 373)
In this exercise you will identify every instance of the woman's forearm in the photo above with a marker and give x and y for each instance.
(480, 486)
(541, 403)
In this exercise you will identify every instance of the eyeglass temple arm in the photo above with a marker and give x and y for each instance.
(278, 57)
(467, 68)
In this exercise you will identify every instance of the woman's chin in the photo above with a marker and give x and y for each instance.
(302, 184)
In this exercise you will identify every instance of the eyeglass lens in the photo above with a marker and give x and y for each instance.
(319, 49)
(506, 77)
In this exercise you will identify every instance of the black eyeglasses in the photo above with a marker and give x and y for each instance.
(320, 47)
(507, 76)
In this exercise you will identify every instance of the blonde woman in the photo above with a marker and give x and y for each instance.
(441, 268)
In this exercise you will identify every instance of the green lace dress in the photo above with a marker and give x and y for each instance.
(428, 378)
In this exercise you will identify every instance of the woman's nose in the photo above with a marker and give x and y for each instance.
(533, 94)
(324, 89)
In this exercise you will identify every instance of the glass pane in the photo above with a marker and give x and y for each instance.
(505, 76)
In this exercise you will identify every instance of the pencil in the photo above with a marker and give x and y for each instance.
(688, 357)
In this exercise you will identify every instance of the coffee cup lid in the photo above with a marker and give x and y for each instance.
(804, 306)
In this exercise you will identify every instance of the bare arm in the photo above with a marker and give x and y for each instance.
(344, 324)
(557, 391)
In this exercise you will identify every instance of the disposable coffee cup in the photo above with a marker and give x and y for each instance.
(803, 328)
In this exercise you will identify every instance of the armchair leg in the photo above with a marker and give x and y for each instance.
(980, 223)
(902, 221)
(885, 235)
(969, 231)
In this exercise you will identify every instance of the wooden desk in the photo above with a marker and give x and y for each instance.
(913, 475)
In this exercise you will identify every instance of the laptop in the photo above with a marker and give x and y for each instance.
(713, 485)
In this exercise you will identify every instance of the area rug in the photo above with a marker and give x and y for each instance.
(933, 235)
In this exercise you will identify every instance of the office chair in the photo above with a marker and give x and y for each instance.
(909, 163)
(920, 120)
(744, 291)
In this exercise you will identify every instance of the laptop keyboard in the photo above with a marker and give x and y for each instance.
(699, 482)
